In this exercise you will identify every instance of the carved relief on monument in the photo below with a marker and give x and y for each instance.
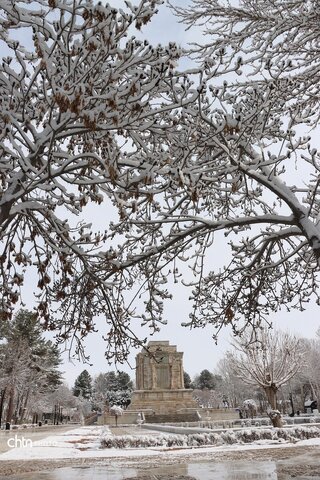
(162, 370)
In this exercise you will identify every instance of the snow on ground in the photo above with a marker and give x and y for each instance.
(84, 442)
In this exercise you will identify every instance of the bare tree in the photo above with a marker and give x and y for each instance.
(250, 408)
(208, 398)
(270, 363)
(61, 401)
(311, 371)
(87, 110)
(232, 388)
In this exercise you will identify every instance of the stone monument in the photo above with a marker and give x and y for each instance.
(160, 388)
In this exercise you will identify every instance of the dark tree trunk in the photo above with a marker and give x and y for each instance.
(16, 411)
(2, 398)
(25, 403)
(10, 405)
(292, 406)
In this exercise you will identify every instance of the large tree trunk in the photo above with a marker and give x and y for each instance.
(10, 405)
(303, 398)
(292, 405)
(271, 393)
(17, 408)
(24, 406)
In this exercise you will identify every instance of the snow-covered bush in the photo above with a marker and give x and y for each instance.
(143, 441)
(250, 408)
(117, 411)
(249, 435)
(228, 438)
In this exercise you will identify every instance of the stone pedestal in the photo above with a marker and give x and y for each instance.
(162, 402)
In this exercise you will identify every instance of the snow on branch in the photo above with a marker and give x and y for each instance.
(94, 116)
(87, 110)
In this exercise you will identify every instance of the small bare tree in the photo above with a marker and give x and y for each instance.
(250, 408)
(311, 372)
(269, 362)
(232, 386)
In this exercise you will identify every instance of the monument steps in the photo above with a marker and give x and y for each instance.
(172, 418)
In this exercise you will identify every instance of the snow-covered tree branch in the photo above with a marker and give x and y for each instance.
(91, 115)
(245, 171)
(87, 110)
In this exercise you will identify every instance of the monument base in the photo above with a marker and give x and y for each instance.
(163, 402)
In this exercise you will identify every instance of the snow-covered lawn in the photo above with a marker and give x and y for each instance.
(85, 442)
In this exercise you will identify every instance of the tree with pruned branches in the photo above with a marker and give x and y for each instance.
(269, 363)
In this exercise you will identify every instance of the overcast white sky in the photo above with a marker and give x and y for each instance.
(199, 349)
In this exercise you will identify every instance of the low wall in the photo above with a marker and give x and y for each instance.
(200, 429)
(207, 415)
(179, 430)
(213, 414)
(128, 417)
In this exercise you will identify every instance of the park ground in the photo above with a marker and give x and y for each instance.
(64, 446)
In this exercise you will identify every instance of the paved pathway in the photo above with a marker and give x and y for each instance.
(36, 433)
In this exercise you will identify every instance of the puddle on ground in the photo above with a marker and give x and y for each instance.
(200, 471)
(208, 470)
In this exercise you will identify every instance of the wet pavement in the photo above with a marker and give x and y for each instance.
(301, 467)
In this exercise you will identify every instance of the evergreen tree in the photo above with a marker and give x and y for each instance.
(83, 385)
(29, 364)
(206, 380)
(111, 382)
(113, 387)
(124, 381)
(187, 380)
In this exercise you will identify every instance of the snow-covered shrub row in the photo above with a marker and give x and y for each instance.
(299, 420)
(199, 439)
(143, 441)
(24, 425)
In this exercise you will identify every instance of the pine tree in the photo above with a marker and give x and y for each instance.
(187, 380)
(124, 381)
(112, 387)
(83, 385)
(29, 364)
(206, 380)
